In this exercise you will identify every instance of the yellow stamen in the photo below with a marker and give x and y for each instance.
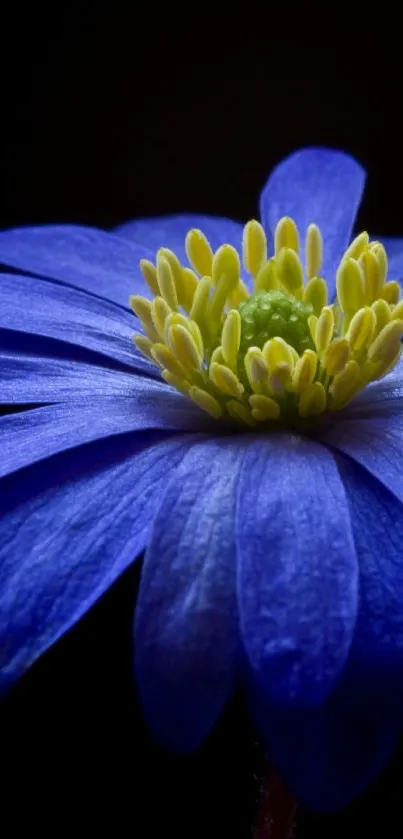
(177, 273)
(358, 246)
(286, 236)
(324, 329)
(184, 347)
(267, 278)
(361, 329)
(336, 356)
(191, 285)
(199, 253)
(313, 251)
(254, 247)
(388, 339)
(144, 345)
(166, 359)
(312, 401)
(205, 401)
(391, 292)
(166, 282)
(257, 370)
(264, 408)
(159, 313)
(350, 285)
(225, 380)
(344, 385)
(142, 308)
(149, 273)
(231, 337)
(382, 314)
(240, 412)
(315, 293)
(373, 279)
(290, 271)
(304, 371)
(177, 382)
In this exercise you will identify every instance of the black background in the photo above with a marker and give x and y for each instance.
(110, 116)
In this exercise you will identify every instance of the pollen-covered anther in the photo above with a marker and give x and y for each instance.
(284, 351)
(142, 308)
(350, 285)
(225, 380)
(361, 329)
(159, 313)
(184, 347)
(336, 356)
(206, 401)
(264, 408)
(312, 401)
(225, 275)
(290, 271)
(344, 385)
(149, 273)
(231, 337)
(166, 282)
(324, 328)
(286, 235)
(254, 246)
(313, 251)
(391, 292)
(199, 253)
(167, 360)
(304, 371)
(257, 371)
(315, 294)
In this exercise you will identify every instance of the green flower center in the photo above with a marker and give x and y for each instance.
(272, 314)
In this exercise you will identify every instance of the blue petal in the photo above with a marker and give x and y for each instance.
(101, 263)
(374, 442)
(39, 307)
(394, 250)
(170, 232)
(41, 370)
(377, 521)
(31, 436)
(68, 528)
(297, 578)
(186, 631)
(330, 754)
(321, 186)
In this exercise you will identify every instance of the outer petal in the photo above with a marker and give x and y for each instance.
(39, 307)
(90, 259)
(68, 528)
(41, 370)
(297, 577)
(376, 443)
(186, 632)
(331, 754)
(170, 232)
(31, 436)
(321, 186)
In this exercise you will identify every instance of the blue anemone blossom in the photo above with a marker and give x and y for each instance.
(274, 558)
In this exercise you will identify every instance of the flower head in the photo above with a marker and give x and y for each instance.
(278, 353)
(273, 544)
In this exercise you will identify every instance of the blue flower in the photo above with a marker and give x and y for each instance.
(271, 556)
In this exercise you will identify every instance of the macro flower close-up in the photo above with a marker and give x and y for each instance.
(224, 403)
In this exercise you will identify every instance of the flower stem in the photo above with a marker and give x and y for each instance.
(276, 811)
